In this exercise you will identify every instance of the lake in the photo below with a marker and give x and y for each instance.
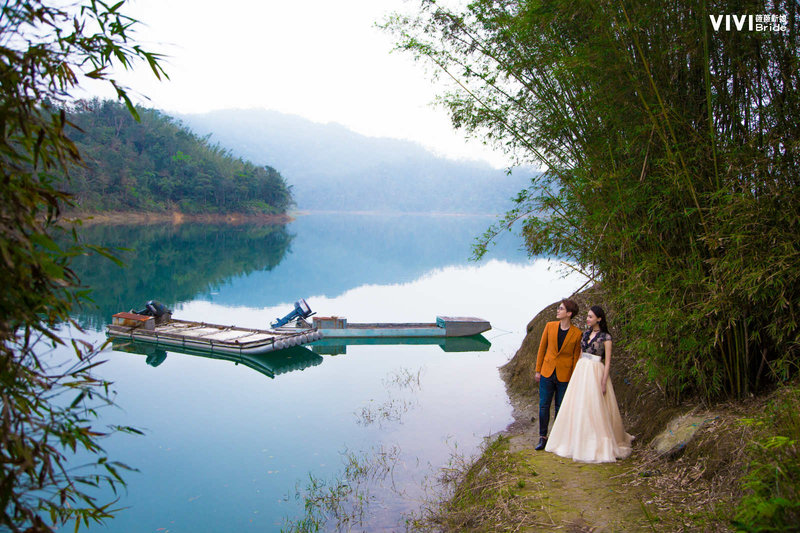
(228, 448)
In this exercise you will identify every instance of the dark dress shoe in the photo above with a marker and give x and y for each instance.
(542, 444)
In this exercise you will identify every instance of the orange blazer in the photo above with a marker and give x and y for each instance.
(550, 358)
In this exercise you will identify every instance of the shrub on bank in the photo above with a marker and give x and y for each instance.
(772, 483)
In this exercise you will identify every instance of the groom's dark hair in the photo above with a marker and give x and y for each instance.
(571, 307)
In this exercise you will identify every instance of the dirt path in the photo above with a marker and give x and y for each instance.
(573, 496)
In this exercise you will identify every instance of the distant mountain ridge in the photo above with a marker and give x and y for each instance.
(333, 168)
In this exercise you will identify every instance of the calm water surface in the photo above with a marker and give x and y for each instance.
(228, 448)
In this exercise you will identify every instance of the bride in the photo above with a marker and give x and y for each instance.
(588, 427)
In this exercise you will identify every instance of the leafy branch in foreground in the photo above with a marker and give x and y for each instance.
(671, 164)
(45, 52)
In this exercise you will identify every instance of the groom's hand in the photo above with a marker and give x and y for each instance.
(537, 376)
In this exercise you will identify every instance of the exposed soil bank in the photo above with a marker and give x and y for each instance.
(145, 218)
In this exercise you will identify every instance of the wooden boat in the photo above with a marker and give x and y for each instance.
(205, 337)
(445, 326)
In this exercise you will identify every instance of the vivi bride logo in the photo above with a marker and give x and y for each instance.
(763, 22)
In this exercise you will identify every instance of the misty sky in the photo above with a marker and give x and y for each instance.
(321, 59)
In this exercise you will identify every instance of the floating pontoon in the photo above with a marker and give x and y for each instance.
(206, 337)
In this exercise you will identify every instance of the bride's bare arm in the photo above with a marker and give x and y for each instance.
(607, 345)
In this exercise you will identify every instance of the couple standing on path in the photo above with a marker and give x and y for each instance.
(574, 368)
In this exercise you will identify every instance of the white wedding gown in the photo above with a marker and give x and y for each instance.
(588, 427)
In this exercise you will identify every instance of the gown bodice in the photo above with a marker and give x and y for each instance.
(597, 345)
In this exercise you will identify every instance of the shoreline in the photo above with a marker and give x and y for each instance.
(139, 218)
(304, 212)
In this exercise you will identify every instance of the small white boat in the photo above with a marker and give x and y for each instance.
(212, 338)
(445, 326)
(335, 327)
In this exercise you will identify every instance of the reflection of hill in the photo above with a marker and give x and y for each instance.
(171, 263)
(333, 253)
(254, 266)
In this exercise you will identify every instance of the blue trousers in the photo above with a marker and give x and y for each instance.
(549, 387)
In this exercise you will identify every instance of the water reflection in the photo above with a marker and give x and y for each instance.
(256, 265)
(297, 357)
(270, 364)
(333, 254)
(171, 263)
(345, 499)
(475, 343)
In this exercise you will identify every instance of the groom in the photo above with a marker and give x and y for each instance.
(559, 351)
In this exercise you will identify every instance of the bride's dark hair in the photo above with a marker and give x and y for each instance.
(599, 313)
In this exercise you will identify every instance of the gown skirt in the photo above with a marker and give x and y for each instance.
(588, 427)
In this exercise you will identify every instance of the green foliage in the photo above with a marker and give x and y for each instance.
(486, 494)
(47, 411)
(342, 502)
(772, 484)
(671, 165)
(155, 164)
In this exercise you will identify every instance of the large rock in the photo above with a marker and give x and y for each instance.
(679, 432)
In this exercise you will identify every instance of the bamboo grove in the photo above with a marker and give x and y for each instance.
(48, 408)
(670, 148)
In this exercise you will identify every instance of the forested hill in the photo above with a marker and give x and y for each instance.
(157, 164)
(333, 168)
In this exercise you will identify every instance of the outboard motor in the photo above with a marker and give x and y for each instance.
(157, 310)
(301, 311)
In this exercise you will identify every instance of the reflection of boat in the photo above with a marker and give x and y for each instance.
(163, 330)
(270, 364)
(445, 326)
(336, 346)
